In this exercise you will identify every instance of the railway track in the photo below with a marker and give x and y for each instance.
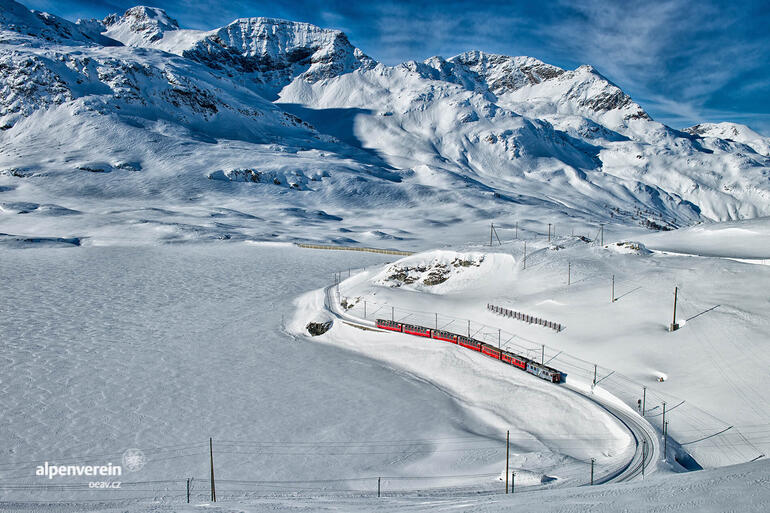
(647, 453)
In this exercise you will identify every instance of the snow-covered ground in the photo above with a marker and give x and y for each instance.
(711, 372)
(152, 179)
(112, 348)
(741, 489)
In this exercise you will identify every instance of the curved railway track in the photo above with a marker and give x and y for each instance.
(645, 437)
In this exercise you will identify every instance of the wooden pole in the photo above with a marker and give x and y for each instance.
(674, 325)
(549, 232)
(644, 400)
(378, 486)
(592, 470)
(507, 441)
(211, 459)
(188, 490)
(613, 288)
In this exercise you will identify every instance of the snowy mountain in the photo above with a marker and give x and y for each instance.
(733, 132)
(279, 103)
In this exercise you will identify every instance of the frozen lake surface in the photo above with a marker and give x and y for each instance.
(160, 348)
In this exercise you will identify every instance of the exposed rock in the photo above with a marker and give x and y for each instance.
(318, 328)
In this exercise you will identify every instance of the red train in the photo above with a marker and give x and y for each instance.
(523, 363)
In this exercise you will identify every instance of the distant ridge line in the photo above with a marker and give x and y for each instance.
(356, 248)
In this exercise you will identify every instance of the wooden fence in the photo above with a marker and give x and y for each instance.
(519, 316)
(357, 248)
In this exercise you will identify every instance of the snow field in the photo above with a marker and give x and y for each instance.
(711, 368)
(160, 348)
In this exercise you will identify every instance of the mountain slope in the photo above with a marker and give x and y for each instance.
(733, 132)
(303, 121)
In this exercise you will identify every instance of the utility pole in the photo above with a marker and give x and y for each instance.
(594, 374)
(498, 340)
(211, 459)
(613, 288)
(436, 320)
(665, 441)
(542, 354)
(569, 273)
(674, 325)
(188, 490)
(392, 313)
(644, 455)
(549, 232)
(364, 309)
(592, 470)
(491, 228)
(378, 486)
(663, 421)
(644, 399)
(469, 328)
(507, 440)
(513, 480)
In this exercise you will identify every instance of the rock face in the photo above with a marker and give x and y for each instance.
(275, 52)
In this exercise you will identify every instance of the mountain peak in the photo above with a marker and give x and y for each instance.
(16, 18)
(273, 52)
(732, 132)
(139, 25)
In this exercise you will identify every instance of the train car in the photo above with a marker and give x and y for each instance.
(541, 371)
(544, 372)
(469, 343)
(444, 335)
(412, 329)
(490, 351)
(388, 325)
(515, 360)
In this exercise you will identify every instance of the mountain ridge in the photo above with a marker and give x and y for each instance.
(284, 104)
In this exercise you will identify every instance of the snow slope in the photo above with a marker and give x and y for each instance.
(733, 132)
(440, 147)
(712, 369)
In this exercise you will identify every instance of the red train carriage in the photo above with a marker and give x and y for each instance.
(542, 371)
(490, 351)
(388, 325)
(515, 360)
(469, 343)
(416, 330)
(444, 335)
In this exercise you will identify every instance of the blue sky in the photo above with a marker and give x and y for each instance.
(684, 61)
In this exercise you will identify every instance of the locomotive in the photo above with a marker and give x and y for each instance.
(538, 369)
